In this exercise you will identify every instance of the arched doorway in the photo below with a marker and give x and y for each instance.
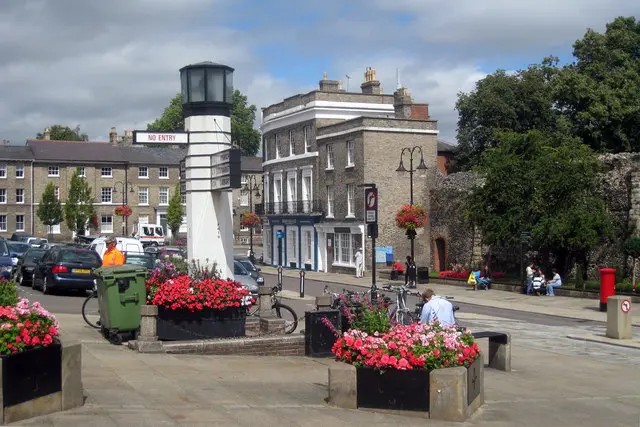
(441, 254)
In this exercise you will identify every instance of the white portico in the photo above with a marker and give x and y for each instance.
(207, 90)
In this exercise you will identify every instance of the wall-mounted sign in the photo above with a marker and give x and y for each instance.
(169, 138)
(226, 171)
(183, 177)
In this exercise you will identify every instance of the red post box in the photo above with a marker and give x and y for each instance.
(607, 286)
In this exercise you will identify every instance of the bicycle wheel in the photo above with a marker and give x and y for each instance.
(91, 310)
(291, 319)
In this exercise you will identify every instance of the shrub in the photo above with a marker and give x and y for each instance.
(8, 293)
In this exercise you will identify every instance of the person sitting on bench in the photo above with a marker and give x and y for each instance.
(397, 270)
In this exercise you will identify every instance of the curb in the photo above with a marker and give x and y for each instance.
(609, 341)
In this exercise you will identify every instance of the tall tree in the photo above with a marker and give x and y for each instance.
(502, 102)
(64, 133)
(78, 209)
(243, 116)
(50, 208)
(175, 212)
(600, 92)
(545, 184)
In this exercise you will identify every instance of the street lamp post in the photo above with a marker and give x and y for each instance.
(411, 170)
(251, 186)
(125, 201)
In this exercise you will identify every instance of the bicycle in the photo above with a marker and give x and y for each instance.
(91, 309)
(283, 311)
(400, 313)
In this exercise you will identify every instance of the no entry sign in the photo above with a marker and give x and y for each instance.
(625, 305)
(371, 205)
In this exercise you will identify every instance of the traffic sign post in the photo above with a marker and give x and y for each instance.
(371, 205)
(371, 220)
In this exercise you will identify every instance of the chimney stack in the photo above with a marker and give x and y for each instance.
(371, 86)
(406, 109)
(113, 136)
(47, 134)
(330, 85)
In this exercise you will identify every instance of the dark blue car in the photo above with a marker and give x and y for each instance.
(6, 265)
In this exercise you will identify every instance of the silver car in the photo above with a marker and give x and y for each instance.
(244, 277)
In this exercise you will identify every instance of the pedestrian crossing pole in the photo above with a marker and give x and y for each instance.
(302, 283)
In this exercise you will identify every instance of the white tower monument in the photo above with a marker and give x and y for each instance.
(207, 90)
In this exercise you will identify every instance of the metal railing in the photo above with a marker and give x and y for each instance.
(290, 207)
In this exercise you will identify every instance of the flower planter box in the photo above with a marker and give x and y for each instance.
(318, 338)
(41, 381)
(178, 325)
(451, 394)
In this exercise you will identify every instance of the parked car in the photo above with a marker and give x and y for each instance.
(126, 245)
(16, 250)
(150, 235)
(251, 268)
(65, 267)
(23, 272)
(20, 236)
(36, 242)
(6, 266)
(144, 260)
(244, 277)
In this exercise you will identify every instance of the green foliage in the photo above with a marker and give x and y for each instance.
(64, 133)
(545, 184)
(632, 247)
(175, 212)
(243, 117)
(8, 293)
(50, 208)
(78, 209)
(371, 319)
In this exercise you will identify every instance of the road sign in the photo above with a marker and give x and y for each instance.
(371, 205)
(625, 305)
(226, 170)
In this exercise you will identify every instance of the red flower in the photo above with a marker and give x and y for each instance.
(123, 210)
(250, 220)
(410, 217)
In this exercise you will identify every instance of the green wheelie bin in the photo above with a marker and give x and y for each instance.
(121, 292)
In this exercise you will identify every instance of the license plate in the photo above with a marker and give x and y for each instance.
(81, 271)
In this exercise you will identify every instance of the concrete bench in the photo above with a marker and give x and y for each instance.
(499, 349)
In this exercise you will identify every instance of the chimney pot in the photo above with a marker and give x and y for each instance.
(371, 86)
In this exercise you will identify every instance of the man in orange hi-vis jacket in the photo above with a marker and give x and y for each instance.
(112, 256)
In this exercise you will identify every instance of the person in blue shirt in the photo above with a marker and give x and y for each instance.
(437, 309)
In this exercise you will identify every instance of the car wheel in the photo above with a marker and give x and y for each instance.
(45, 287)
(33, 281)
(19, 279)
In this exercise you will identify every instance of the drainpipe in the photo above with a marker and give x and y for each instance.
(32, 201)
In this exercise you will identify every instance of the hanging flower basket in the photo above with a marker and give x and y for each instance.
(410, 217)
(93, 222)
(123, 210)
(250, 220)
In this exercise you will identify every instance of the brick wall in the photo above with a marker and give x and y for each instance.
(11, 208)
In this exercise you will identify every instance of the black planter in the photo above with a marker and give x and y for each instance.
(31, 374)
(180, 325)
(393, 389)
(318, 338)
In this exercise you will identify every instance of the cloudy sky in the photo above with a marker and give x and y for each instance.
(99, 64)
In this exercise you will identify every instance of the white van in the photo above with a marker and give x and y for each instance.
(124, 245)
(150, 234)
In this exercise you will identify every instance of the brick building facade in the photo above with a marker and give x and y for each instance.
(318, 149)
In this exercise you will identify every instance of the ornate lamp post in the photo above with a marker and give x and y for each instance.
(252, 186)
(411, 151)
(125, 201)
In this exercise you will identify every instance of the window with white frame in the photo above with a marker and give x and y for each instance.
(19, 222)
(143, 219)
(143, 195)
(3, 195)
(265, 194)
(106, 224)
(106, 173)
(53, 171)
(19, 195)
(351, 153)
(55, 229)
(308, 246)
(20, 171)
(106, 195)
(3, 170)
(329, 156)
(244, 198)
(244, 179)
(81, 172)
(3, 223)
(291, 144)
(292, 242)
(183, 198)
(56, 192)
(307, 139)
(330, 202)
(143, 172)
(292, 191)
(343, 251)
(164, 173)
(307, 189)
(351, 199)
(164, 195)
(277, 143)
(244, 228)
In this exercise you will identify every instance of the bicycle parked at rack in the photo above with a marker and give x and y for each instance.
(283, 311)
(399, 312)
